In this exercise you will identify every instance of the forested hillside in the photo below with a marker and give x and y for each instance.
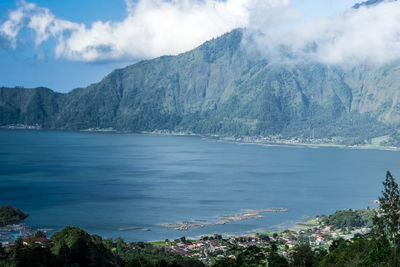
(220, 88)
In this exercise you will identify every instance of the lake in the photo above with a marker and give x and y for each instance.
(104, 182)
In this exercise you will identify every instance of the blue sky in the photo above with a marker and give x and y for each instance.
(22, 67)
(27, 64)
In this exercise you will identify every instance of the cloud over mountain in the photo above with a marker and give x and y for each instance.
(274, 29)
(368, 34)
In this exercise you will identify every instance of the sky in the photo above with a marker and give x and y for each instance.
(68, 44)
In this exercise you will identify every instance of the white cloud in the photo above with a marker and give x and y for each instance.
(38, 19)
(368, 34)
(151, 28)
(10, 29)
(157, 27)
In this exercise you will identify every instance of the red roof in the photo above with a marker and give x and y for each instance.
(41, 239)
(37, 240)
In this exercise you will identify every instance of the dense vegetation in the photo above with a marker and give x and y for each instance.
(348, 219)
(220, 88)
(74, 247)
(10, 215)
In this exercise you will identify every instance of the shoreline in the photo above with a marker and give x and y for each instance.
(223, 219)
(303, 224)
(263, 141)
(315, 145)
(246, 140)
(319, 233)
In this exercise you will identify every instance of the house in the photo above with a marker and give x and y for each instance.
(41, 241)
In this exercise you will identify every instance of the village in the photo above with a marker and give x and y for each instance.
(10, 232)
(317, 232)
(314, 232)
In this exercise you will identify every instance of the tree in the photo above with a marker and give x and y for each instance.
(2, 252)
(387, 221)
(224, 262)
(74, 246)
(276, 260)
(251, 256)
(319, 254)
(39, 234)
(302, 256)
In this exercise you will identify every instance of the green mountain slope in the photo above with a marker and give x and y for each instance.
(218, 88)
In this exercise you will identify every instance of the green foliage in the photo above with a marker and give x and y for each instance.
(145, 254)
(225, 262)
(360, 252)
(302, 256)
(276, 260)
(3, 256)
(246, 257)
(387, 222)
(319, 254)
(348, 219)
(251, 256)
(380, 246)
(39, 234)
(10, 215)
(75, 247)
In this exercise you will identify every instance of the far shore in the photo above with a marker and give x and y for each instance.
(250, 140)
(276, 141)
(315, 145)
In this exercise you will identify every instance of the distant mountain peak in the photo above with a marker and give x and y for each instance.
(370, 3)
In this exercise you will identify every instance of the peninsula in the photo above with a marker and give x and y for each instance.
(10, 215)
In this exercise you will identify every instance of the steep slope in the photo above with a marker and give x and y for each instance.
(218, 88)
(28, 106)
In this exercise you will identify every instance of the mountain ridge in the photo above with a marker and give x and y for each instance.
(219, 89)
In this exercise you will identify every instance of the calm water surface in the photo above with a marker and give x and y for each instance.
(104, 182)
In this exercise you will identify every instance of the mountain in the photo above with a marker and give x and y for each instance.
(370, 3)
(218, 88)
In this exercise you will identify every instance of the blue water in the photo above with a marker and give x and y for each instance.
(103, 182)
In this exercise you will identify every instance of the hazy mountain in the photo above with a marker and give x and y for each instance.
(370, 3)
(218, 88)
